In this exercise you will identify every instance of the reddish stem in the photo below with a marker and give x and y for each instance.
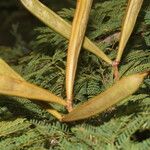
(116, 72)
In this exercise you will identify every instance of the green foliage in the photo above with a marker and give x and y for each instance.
(105, 20)
(25, 125)
(147, 33)
(9, 54)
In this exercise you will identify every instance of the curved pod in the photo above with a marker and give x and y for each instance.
(77, 36)
(132, 12)
(120, 90)
(6, 70)
(15, 87)
(59, 25)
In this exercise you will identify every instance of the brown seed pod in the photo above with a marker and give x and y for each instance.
(52, 20)
(120, 90)
(15, 87)
(6, 70)
(11, 83)
(132, 12)
(77, 36)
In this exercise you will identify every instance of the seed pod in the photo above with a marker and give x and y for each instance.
(133, 9)
(120, 90)
(77, 36)
(6, 70)
(11, 83)
(59, 25)
(14, 87)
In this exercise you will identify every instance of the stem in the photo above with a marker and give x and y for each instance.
(116, 72)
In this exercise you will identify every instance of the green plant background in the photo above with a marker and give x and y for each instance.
(40, 57)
